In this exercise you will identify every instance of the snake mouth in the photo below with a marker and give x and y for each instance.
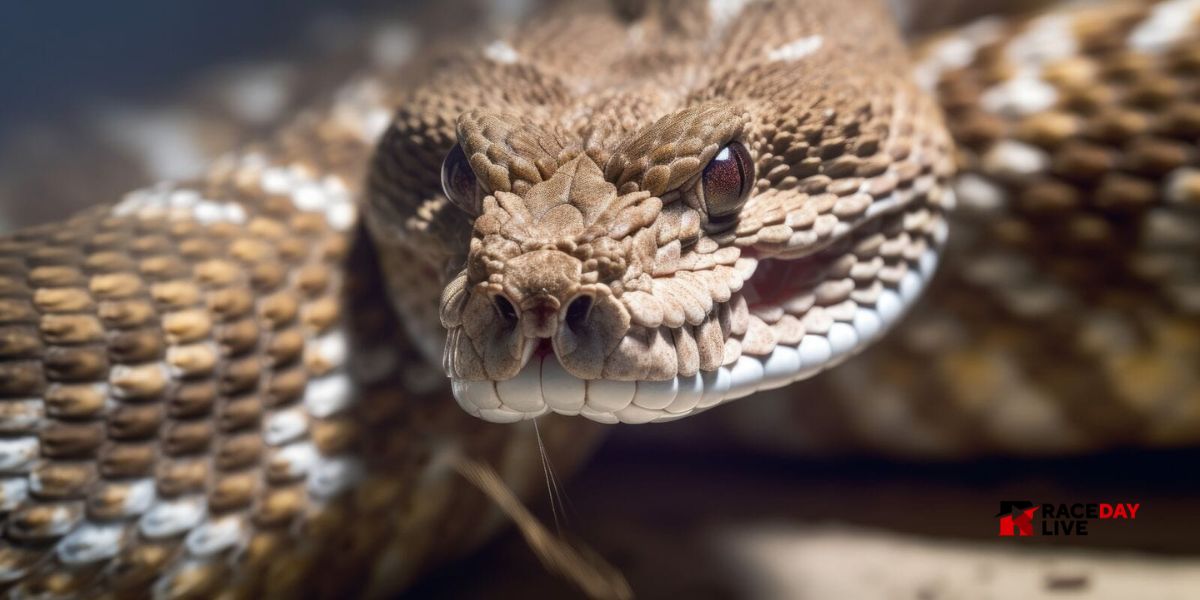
(543, 385)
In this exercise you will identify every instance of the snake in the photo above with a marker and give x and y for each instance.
(258, 382)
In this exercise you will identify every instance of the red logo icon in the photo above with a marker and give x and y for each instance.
(1016, 518)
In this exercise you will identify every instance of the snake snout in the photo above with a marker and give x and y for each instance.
(541, 283)
(539, 316)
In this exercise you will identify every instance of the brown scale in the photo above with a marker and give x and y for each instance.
(199, 332)
(1106, 157)
(120, 310)
(1112, 140)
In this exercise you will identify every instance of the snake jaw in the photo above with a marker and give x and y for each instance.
(724, 346)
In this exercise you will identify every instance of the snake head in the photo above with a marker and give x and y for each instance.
(592, 274)
(635, 256)
(544, 273)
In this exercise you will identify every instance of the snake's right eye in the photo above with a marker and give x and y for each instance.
(458, 181)
(727, 180)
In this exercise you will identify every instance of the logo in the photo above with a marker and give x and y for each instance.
(1016, 517)
(1019, 518)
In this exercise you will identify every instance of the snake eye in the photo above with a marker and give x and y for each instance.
(458, 181)
(727, 180)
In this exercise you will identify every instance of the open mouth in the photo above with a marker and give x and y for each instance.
(777, 290)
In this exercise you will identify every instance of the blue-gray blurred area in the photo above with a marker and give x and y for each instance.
(56, 55)
(95, 95)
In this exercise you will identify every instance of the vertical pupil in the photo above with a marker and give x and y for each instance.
(745, 173)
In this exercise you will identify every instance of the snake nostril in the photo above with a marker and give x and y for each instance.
(578, 310)
(505, 308)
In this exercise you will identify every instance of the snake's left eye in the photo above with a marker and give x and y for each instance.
(727, 180)
(458, 181)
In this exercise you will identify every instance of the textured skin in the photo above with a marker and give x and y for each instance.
(158, 360)
(589, 157)
(1067, 316)
(180, 416)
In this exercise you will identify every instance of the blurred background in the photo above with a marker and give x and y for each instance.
(100, 98)
(57, 57)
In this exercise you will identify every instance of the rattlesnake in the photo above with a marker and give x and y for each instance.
(629, 215)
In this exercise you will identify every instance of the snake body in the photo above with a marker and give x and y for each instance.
(223, 386)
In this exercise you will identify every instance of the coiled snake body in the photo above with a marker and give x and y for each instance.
(221, 386)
